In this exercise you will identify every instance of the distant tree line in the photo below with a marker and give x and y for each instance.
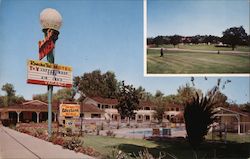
(232, 37)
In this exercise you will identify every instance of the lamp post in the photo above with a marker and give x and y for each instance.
(51, 21)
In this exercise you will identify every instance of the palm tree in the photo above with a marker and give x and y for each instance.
(198, 115)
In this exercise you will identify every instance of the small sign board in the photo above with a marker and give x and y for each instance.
(44, 73)
(70, 110)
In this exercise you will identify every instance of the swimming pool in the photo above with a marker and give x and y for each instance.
(148, 132)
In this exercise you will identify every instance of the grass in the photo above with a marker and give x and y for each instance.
(233, 137)
(178, 62)
(178, 147)
(207, 47)
(104, 144)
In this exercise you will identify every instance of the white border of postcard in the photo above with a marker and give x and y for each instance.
(171, 75)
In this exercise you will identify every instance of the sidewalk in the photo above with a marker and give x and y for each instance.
(17, 145)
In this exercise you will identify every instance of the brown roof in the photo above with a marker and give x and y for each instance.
(91, 108)
(173, 105)
(147, 104)
(34, 105)
(105, 100)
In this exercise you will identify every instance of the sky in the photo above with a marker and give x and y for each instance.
(104, 35)
(193, 17)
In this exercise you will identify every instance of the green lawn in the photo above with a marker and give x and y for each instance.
(233, 137)
(178, 62)
(177, 147)
(207, 47)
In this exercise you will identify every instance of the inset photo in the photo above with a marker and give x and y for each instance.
(197, 37)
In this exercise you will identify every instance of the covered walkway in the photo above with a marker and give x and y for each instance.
(30, 111)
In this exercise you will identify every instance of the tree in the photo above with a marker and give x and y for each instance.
(150, 41)
(245, 107)
(219, 98)
(64, 94)
(176, 39)
(186, 93)
(176, 99)
(159, 40)
(211, 39)
(198, 115)
(128, 101)
(9, 89)
(42, 97)
(159, 111)
(195, 39)
(10, 97)
(234, 36)
(96, 84)
(159, 94)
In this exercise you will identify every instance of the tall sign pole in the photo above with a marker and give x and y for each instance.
(51, 21)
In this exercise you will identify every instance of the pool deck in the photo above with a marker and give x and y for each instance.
(127, 133)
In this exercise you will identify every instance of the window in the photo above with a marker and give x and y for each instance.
(106, 106)
(177, 109)
(147, 117)
(133, 117)
(82, 115)
(99, 106)
(95, 115)
(146, 108)
(168, 117)
(172, 109)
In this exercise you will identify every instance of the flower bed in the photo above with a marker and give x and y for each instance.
(39, 130)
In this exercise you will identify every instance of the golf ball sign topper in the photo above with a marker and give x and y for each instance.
(44, 73)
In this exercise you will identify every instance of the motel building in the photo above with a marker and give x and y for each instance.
(107, 105)
(173, 113)
(98, 110)
(93, 109)
(29, 111)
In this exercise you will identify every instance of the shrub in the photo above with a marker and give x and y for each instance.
(198, 115)
(40, 131)
(73, 144)
(69, 131)
(12, 126)
(58, 141)
(6, 122)
(90, 151)
(43, 137)
(110, 133)
(23, 130)
(118, 154)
